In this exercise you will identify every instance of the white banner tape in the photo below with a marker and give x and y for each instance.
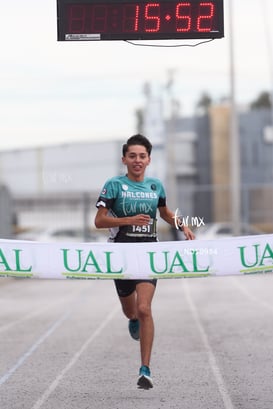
(169, 259)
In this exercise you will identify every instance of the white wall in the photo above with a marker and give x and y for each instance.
(63, 168)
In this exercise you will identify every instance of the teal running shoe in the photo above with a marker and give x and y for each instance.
(144, 380)
(134, 329)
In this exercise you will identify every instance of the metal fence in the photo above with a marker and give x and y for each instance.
(256, 202)
(76, 211)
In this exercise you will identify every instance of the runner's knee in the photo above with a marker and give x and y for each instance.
(144, 310)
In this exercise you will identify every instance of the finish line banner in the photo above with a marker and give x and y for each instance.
(169, 259)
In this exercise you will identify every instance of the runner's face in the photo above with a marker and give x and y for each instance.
(136, 160)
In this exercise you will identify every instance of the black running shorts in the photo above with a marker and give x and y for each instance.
(127, 287)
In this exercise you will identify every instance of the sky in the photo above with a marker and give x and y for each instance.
(63, 92)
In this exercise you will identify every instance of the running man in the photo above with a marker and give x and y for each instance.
(120, 208)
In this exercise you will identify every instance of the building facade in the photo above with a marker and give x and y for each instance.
(192, 157)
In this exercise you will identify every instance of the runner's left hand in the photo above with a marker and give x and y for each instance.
(188, 233)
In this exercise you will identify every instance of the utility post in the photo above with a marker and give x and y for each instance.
(171, 180)
(234, 152)
(269, 45)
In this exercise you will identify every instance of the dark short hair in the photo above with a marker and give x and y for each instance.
(137, 139)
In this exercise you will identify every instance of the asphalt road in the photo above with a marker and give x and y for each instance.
(65, 345)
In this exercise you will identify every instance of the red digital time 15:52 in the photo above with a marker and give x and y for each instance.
(139, 20)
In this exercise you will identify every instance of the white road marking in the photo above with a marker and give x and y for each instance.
(67, 298)
(33, 348)
(74, 359)
(212, 360)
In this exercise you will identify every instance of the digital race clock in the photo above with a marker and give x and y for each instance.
(139, 20)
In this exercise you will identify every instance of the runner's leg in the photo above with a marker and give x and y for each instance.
(145, 292)
(129, 306)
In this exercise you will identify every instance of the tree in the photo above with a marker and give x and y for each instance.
(262, 101)
(204, 102)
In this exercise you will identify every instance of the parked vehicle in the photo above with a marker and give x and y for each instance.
(211, 231)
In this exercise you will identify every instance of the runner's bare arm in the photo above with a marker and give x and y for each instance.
(103, 220)
(169, 217)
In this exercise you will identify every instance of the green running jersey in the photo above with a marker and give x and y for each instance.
(125, 197)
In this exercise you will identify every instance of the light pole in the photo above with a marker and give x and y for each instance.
(269, 45)
(235, 174)
(170, 150)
